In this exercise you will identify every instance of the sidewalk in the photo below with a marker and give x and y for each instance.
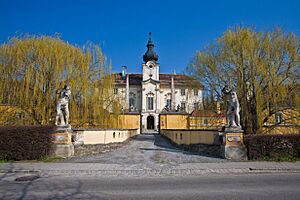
(186, 169)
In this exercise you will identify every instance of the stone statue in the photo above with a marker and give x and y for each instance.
(233, 108)
(166, 108)
(178, 108)
(62, 108)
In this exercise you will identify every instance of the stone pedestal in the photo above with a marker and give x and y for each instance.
(62, 144)
(233, 147)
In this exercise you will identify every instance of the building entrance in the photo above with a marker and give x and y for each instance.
(150, 122)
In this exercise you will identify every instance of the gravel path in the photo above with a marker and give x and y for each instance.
(149, 150)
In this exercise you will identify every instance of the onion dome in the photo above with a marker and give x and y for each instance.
(150, 55)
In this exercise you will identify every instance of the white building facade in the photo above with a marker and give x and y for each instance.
(152, 93)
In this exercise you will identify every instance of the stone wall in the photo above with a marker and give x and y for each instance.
(92, 149)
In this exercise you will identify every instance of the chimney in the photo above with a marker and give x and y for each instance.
(124, 72)
(127, 91)
(173, 104)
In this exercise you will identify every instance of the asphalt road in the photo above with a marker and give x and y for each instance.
(245, 186)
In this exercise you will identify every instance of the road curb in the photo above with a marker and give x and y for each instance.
(154, 172)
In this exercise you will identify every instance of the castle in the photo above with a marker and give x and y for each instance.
(152, 93)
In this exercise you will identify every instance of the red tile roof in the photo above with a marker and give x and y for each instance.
(206, 113)
(165, 80)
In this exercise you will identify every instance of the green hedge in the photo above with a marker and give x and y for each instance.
(262, 147)
(25, 142)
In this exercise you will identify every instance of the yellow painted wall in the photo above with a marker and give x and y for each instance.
(130, 121)
(174, 121)
(125, 121)
(281, 129)
(290, 125)
(107, 136)
(14, 115)
(212, 122)
(191, 136)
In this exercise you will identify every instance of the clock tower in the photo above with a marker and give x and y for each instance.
(150, 67)
(150, 88)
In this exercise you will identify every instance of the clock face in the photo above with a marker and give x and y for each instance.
(150, 64)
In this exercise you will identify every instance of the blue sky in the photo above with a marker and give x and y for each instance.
(121, 28)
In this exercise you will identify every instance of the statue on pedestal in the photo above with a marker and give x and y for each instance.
(62, 108)
(233, 108)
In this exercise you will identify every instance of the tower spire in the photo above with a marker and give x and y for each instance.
(150, 53)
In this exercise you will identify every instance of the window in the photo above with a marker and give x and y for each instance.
(278, 118)
(196, 106)
(169, 103)
(115, 90)
(131, 102)
(114, 135)
(20, 115)
(182, 92)
(205, 121)
(183, 106)
(196, 92)
(150, 103)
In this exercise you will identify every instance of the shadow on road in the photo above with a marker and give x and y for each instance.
(159, 149)
(162, 142)
(142, 137)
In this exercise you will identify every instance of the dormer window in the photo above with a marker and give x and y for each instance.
(195, 92)
(182, 92)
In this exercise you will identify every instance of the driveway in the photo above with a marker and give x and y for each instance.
(149, 149)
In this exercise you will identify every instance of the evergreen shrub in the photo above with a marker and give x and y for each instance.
(25, 142)
(261, 147)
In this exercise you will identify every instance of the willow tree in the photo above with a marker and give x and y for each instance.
(33, 68)
(262, 66)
